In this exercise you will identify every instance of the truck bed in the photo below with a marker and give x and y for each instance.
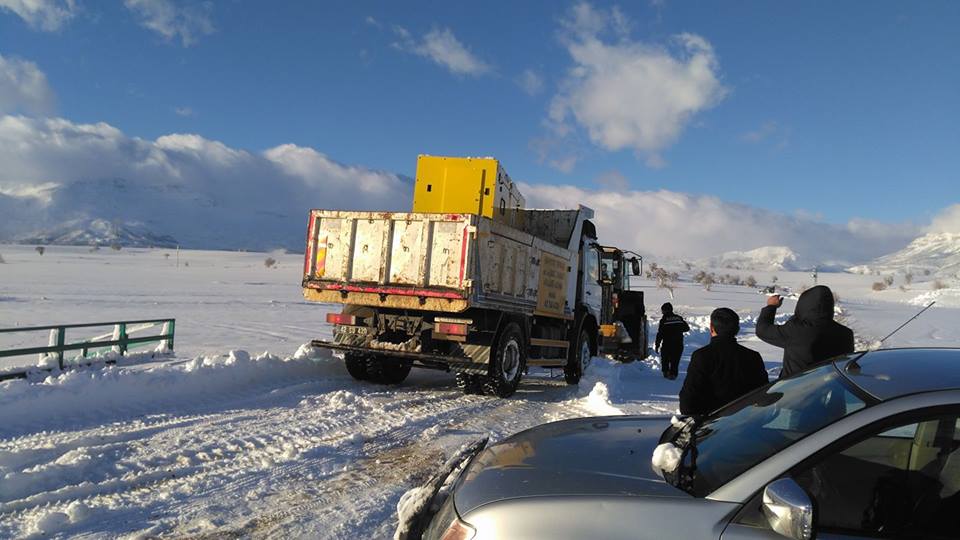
(443, 262)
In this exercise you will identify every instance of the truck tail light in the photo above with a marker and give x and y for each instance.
(452, 329)
(340, 318)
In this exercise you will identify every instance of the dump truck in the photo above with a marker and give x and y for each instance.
(469, 282)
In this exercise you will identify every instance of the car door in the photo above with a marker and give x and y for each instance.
(897, 479)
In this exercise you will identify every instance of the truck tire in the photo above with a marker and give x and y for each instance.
(579, 359)
(507, 363)
(470, 384)
(388, 370)
(356, 367)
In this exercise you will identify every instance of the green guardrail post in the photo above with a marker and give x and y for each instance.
(123, 338)
(173, 327)
(61, 339)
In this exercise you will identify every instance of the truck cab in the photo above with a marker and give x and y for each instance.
(623, 319)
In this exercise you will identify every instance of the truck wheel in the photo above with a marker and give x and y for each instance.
(470, 384)
(356, 367)
(388, 370)
(578, 362)
(507, 363)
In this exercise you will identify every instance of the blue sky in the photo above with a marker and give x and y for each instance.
(837, 110)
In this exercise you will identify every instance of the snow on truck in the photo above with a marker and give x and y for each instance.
(471, 282)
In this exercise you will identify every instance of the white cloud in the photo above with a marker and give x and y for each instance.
(628, 94)
(48, 15)
(183, 111)
(188, 22)
(667, 223)
(23, 87)
(948, 220)
(201, 191)
(444, 49)
(530, 82)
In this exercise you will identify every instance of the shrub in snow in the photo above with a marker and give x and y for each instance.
(888, 280)
(750, 281)
(836, 298)
(708, 281)
(937, 285)
(879, 285)
(926, 272)
(269, 262)
(908, 277)
(1, 260)
(40, 249)
(773, 279)
(116, 246)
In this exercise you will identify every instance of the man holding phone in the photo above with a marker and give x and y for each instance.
(810, 336)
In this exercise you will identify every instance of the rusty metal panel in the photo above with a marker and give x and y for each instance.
(446, 253)
(369, 249)
(328, 253)
(406, 252)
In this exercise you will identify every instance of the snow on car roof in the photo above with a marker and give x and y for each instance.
(891, 373)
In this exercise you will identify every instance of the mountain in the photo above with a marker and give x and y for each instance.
(936, 253)
(100, 232)
(762, 259)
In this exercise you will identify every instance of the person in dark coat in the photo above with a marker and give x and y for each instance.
(810, 336)
(670, 337)
(721, 371)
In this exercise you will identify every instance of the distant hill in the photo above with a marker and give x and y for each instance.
(936, 253)
(100, 232)
(767, 258)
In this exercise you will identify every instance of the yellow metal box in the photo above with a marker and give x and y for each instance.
(466, 186)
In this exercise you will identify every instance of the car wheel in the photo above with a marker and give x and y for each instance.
(507, 364)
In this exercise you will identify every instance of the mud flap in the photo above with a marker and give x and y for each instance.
(417, 506)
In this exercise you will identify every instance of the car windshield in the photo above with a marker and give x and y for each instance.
(764, 422)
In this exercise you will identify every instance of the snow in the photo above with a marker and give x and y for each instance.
(768, 258)
(666, 458)
(223, 439)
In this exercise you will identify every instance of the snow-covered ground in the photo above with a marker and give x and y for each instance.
(215, 441)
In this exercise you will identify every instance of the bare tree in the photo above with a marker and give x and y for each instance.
(888, 280)
(708, 281)
(116, 246)
(750, 281)
(937, 285)
(2, 261)
(665, 280)
(269, 262)
(774, 279)
(40, 249)
(879, 285)
(908, 278)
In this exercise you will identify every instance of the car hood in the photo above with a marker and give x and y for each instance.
(607, 455)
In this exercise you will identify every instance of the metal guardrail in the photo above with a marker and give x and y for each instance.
(122, 343)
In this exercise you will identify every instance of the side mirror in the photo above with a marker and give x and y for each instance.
(788, 509)
(635, 266)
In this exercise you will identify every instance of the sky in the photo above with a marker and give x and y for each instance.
(835, 116)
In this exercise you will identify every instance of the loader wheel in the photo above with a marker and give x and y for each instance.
(579, 359)
(388, 370)
(507, 363)
(357, 367)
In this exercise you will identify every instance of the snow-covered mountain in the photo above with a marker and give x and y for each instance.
(767, 258)
(100, 232)
(938, 253)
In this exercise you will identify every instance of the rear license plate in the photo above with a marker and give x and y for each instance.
(354, 330)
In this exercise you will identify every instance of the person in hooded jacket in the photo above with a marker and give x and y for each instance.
(810, 336)
(721, 371)
(670, 338)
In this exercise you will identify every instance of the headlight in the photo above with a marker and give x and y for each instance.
(446, 525)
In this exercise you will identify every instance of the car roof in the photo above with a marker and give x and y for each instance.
(891, 373)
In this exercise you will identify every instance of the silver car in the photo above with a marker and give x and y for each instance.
(867, 446)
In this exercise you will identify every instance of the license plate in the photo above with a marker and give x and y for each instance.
(354, 330)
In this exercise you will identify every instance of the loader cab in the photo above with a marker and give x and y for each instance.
(623, 317)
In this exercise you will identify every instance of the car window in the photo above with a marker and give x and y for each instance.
(765, 422)
(592, 264)
(901, 482)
